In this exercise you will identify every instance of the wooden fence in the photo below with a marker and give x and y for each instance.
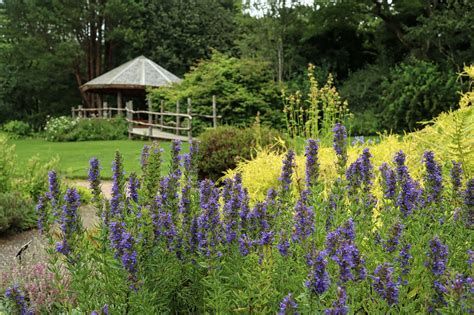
(155, 121)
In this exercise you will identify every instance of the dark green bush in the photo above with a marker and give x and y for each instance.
(365, 123)
(416, 91)
(85, 129)
(16, 213)
(17, 129)
(222, 147)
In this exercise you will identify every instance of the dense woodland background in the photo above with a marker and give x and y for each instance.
(394, 61)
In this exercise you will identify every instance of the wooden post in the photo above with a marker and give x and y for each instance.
(214, 112)
(177, 117)
(80, 111)
(190, 119)
(119, 102)
(105, 112)
(129, 106)
(162, 110)
(73, 113)
(150, 120)
(99, 105)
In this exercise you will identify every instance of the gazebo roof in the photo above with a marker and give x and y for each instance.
(136, 74)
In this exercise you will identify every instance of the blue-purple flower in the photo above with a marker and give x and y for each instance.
(339, 306)
(312, 164)
(389, 181)
(94, 178)
(288, 306)
(340, 146)
(456, 176)
(433, 178)
(404, 258)
(437, 257)
(41, 210)
(319, 281)
(287, 170)
(69, 223)
(303, 219)
(54, 191)
(469, 203)
(384, 285)
(15, 294)
(394, 237)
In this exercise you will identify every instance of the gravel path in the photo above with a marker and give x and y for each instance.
(11, 244)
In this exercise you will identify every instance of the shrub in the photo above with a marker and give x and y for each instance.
(415, 91)
(243, 87)
(222, 147)
(57, 128)
(17, 129)
(17, 213)
(84, 129)
(6, 164)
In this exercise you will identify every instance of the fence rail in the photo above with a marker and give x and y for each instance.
(155, 129)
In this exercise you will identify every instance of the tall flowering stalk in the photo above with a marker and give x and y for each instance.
(340, 146)
(339, 306)
(359, 177)
(288, 306)
(312, 164)
(234, 196)
(395, 233)
(151, 172)
(384, 285)
(389, 181)
(69, 222)
(94, 179)
(41, 210)
(404, 259)
(469, 203)
(408, 190)
(342, 249)
(456, 177)
(17, 297)
(319, 280)
(287, 170)
(144, 156)
(116, 201)
(437, 257)
(209, 224)
(303, 219)
(54, 191)
(433, 179)
(133, 186)
(124, 246)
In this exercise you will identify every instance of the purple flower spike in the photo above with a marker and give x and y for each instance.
(340, 146)
(383, 283)
(339, 306)
(395, 234)
(94, 178)
(389, 181)
(437, 257)
(469, 203)
(456, 176)
(312, 164)
(18, 298)
(287, 170)
(288, 306)
(433, 179)
(319, 281)
(69, 223)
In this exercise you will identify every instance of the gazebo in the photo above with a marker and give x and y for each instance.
(129, 80)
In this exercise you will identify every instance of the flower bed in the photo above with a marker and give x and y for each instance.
(174, 244)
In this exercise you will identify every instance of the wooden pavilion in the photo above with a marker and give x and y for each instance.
(128, 81)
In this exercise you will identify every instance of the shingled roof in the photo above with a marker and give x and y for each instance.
(138, 73)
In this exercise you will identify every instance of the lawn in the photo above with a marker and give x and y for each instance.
(74, 156)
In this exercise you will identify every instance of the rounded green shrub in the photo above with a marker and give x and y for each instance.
(221, 148)
(16, 212)
(17, 129)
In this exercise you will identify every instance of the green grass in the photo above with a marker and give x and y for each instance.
(74, 156)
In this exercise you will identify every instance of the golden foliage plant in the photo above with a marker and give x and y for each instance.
(450, 136)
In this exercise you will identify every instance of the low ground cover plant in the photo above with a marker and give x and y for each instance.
(175, 244)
